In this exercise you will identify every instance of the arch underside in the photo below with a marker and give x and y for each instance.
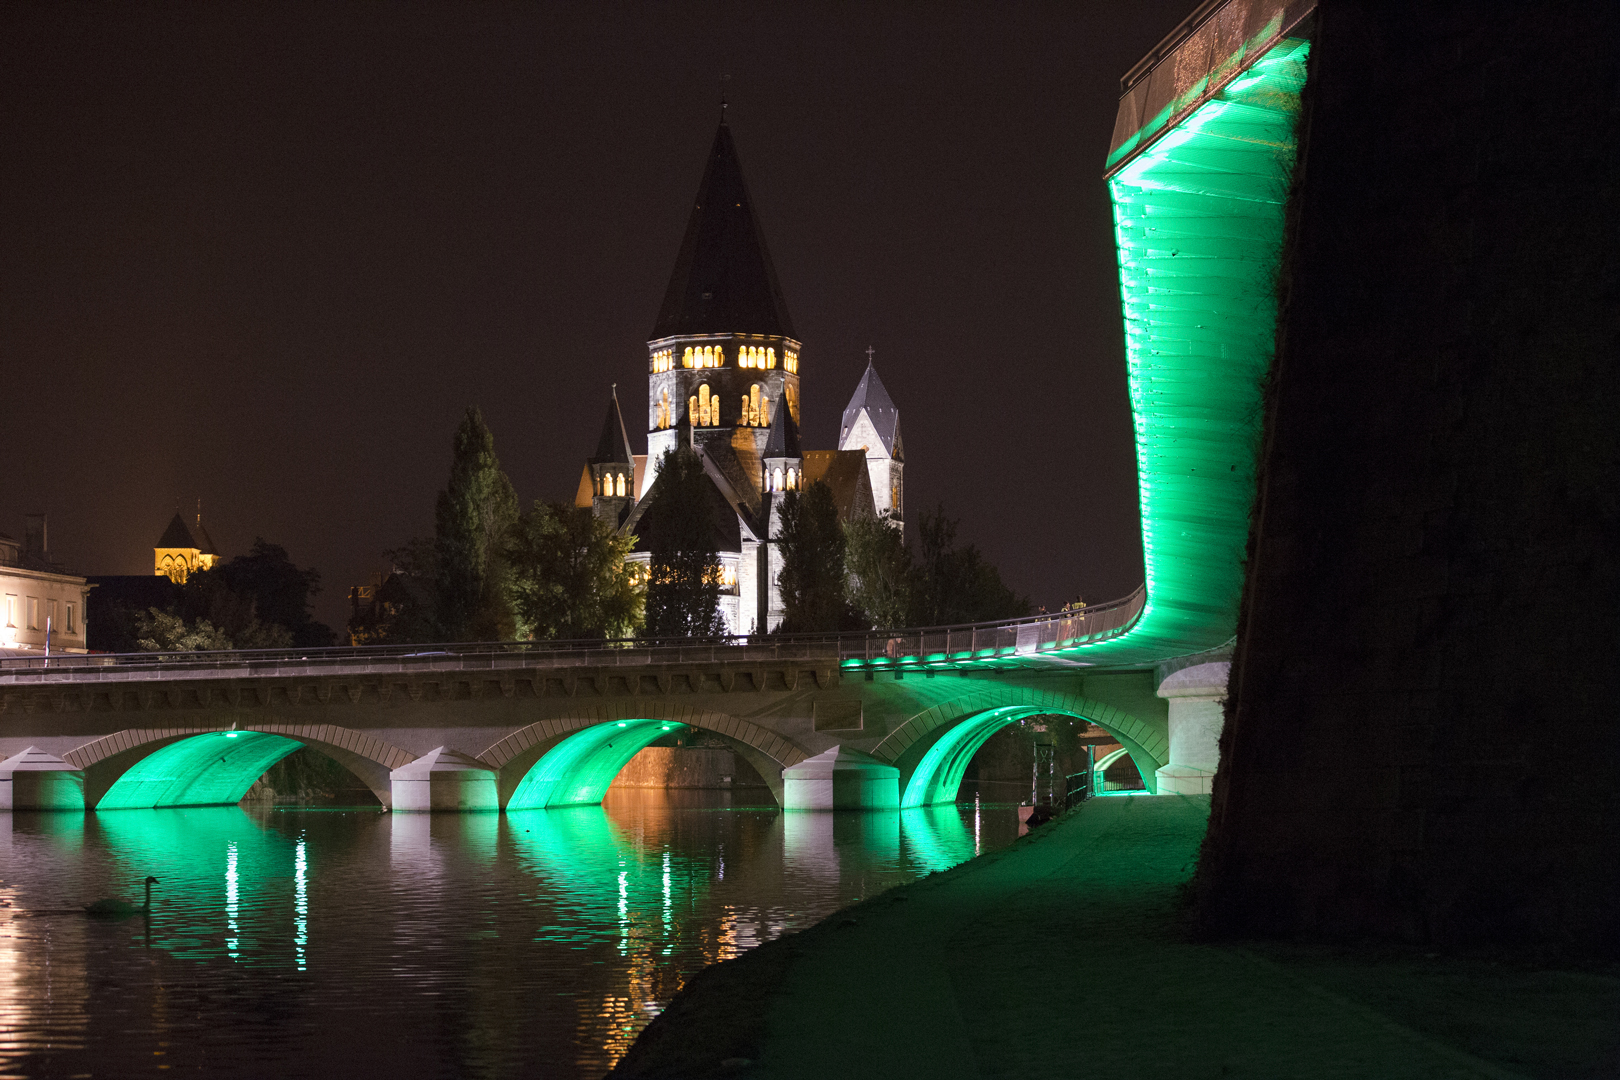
(213, 769)
(580, 768)
(938, 776)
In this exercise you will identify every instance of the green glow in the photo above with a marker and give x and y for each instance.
(578, 770)
(215, 769)
(1199, 225)
(936, 837)
(938, 777)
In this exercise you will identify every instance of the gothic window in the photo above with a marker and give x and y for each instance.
(686, 358)
(792, 479)
(776, 479)
(770, 358)
(618, 485)
(664, 419)
(754, 412)
(692, 410)
(708, 409)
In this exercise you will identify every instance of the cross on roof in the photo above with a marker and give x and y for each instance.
(869, 354)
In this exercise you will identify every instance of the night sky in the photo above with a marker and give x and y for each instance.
(265, 255)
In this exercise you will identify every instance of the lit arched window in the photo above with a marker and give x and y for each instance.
(793, 479)
(770, 358)
(691, 410)
(686, 360)
(708, 410)
(776, 479)
(753, 405)
(618, 485)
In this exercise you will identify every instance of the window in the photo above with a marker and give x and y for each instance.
(708, 408)
(53, 618)
(33, 613)
(11, 610)
(663, 360)
(72, 626)
(663, 417)
(770, 358)
(776, 479)
(790, 360)
(618, 485)
(792, 479)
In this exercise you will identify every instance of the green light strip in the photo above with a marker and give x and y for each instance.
(215, 769)
(578, 770)
(1199, 225)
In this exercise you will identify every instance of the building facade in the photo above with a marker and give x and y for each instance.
(42, 606)
(723, 377)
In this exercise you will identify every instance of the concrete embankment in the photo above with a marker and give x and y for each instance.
(1064, 955)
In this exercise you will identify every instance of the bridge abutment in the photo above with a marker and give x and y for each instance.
(1197, 700)
(444, 779)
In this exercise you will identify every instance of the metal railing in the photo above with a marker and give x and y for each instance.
(947, 645)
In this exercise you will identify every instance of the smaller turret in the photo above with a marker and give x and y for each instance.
(613, 468)
(783, 457)
(871, 424)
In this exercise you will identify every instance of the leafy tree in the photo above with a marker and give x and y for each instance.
(164, 631)
(951, 584)
(261, 600)
(474, 513)
(569, 576)
(812, 577)
(683, 585)
(878, 565)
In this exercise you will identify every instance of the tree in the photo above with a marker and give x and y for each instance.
(878, 565)
(164, 631)
(683, 584)
(951, 584)
(474, 513)
(261, 600)
(569, 576)
(812, 577)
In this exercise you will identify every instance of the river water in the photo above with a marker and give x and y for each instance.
(302, 942)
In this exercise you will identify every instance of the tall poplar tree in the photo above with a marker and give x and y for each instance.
(474, 513)
(812, 577)
(879, 571)
(683, 585)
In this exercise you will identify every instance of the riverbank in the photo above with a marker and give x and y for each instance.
(1064, 955)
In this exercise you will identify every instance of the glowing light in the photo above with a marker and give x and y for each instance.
(301, 903)
(204, 770)
(578, 770)
(233, 941)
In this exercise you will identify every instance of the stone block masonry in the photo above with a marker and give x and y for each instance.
(1429, 619)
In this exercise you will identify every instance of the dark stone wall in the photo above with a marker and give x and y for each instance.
(1423, 725)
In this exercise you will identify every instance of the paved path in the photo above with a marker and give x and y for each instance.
(1061, 957)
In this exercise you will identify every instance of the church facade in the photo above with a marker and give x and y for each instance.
(723, 377)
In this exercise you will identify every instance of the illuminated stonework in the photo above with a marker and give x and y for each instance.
(183, 550)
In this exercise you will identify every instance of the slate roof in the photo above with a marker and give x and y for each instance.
(783, 440)
(614, 444)
(726, 528)
(845, 472)
(871, 396)
(181, 535)
(723, 282)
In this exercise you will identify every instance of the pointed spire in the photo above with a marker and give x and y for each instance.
(723, 280)
(614, 444)
(783, 440)
(871, 397)
(177, 535)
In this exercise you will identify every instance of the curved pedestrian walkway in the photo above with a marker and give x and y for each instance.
(1062, 956)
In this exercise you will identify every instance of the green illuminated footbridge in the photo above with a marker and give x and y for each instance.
(1199, 170)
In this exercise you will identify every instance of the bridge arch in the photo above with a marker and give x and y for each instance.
(933, 748)
(570, 761)
(214, 765)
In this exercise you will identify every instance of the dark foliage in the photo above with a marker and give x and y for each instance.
(878, 572)
(812, 578)
(952, 584)
(474, 513)
(569, 577)
(683, 587)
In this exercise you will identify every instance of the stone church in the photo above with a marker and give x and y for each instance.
(724, 370)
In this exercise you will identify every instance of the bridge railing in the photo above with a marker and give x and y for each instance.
(874, 648)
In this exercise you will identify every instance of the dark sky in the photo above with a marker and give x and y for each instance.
(264, 255)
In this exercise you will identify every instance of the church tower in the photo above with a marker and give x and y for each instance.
(722, 357)
(872, 424)
(613, 468)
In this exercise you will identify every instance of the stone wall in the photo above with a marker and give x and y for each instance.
(702, 767)
(1432, 577)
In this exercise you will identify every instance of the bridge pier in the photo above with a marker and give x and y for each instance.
(841, 779)
(35, 780)
(1197, 701)
(444, 779)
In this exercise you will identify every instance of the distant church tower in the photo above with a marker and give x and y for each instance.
(613, 468)
(722, 355)
(872, 423)
(182, 550)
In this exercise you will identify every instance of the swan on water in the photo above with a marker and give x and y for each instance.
(115, 906)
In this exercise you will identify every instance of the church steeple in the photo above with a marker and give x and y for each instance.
(613, 467)
(783, 456)
(723, 281)
(871, 423)
(722, 359)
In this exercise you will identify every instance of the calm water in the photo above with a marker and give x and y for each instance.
(292, 942)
